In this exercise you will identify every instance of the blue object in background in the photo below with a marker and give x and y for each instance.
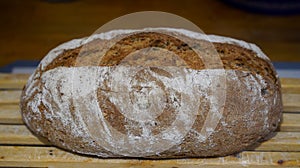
(21, 66)
(270, 7)
(284, 69)
(287, 69)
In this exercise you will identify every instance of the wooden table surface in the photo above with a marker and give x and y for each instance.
(29, 29)
(20, 148)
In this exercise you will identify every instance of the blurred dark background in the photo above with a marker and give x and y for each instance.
(29, 29)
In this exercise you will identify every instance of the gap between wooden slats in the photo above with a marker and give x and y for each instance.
(20, 135)
(50, 156)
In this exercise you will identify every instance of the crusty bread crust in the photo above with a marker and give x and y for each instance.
(77, 115)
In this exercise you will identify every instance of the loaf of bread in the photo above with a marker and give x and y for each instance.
(153, 93)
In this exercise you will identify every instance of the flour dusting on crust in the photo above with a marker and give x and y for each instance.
(80, 84)
(67, 99)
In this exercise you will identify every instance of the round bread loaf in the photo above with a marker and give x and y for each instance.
(153, 93)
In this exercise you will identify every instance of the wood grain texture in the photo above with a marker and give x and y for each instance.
(290, 122)
(282, 141)
(291, 100)
(10, 114)
(16, 81)
(290, 85)
(20, 148)
(31, 28)
(10, 96)
(53, 157)
(20, 135)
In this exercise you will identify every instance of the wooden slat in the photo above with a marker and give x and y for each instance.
(281, 150)
(20, 135)
(290, 122)
(13, 81)
(291, 102)
(290, 85)
(9, 96)
(282, 141)
(10, 114)
(50, 156)
(291, 109)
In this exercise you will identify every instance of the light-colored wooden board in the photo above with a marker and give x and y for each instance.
(281, 141)
(50, 25)
(20, 135)
(291, 101)
(13, 81)
(281, 150)
(54, 157)
(290, 122)
(10, 114)
(10, 96)
(290, 85)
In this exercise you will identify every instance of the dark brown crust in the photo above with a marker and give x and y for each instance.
(232, 56)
